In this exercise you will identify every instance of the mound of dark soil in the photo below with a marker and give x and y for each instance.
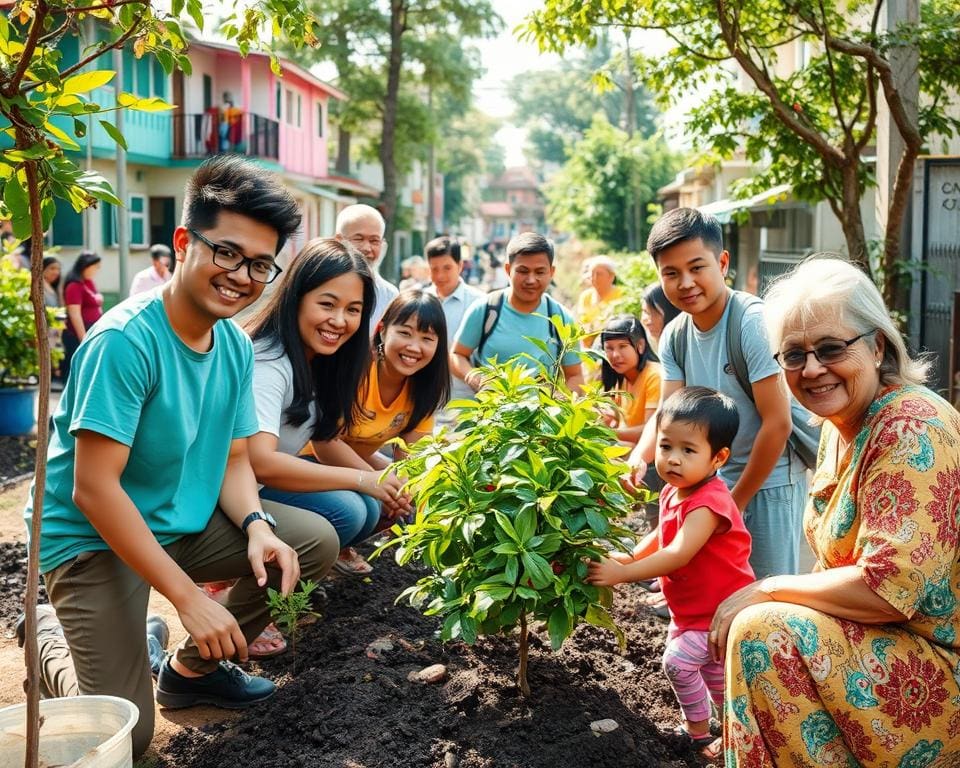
(342, 708)
(13, 582)
(16, 457)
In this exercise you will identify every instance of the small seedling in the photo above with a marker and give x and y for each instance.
(288, 610)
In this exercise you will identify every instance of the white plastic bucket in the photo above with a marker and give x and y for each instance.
(77, 732)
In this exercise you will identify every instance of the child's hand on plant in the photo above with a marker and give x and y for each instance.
(608, 572)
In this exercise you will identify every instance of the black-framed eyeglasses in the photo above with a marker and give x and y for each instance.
(260, 270)
(828, 352)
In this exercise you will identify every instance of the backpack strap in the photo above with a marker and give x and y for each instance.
(678, 342)
(739, 303)
(491, 317)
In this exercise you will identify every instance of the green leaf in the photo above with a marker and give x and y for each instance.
(537, 569)
(65, 140)
(598, 523)
(506, 526)
(451, 626)
(468, 629)
(580, 478)
(511, 570)
(15, 198)
(600, 617)
(526, 523)
(113, 133)
(96, 186)
(147, 104)
(195, 9)
(559, 626)
(87, 81)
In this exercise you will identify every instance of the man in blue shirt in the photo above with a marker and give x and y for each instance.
(524, 313)
(148, 482)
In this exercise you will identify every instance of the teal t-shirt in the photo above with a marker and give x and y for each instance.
(134, 381)
(508, 337)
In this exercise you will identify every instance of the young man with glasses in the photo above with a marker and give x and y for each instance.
(767, 479)
(148, 481)
(363, 227)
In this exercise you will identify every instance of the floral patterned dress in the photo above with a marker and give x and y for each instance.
(808, 689)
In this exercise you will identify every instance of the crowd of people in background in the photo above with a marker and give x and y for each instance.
(291, 415)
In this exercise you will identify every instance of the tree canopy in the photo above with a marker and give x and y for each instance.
(557, 105)
(408, 69)
(606, 171)
(816, 69)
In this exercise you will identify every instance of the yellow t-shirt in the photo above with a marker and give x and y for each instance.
(382, 422)
(593, 312)
(641, 394)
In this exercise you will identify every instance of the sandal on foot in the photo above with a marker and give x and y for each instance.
(268, 643)
(353, 564)
(706, 744)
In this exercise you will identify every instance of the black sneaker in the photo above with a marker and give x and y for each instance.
(228, 687)
(158, 635)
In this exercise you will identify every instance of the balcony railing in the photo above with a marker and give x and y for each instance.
(216, 131)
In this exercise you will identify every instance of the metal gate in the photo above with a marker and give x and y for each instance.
(941, 260)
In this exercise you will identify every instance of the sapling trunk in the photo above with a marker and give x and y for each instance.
(524, 648)
(31, 647)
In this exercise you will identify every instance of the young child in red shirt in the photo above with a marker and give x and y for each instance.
(700, 550)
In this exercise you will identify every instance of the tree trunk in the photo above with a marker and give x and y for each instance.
(31, 647)
(524, 651)
(896, 288)
(852, 220)
(398, 12)
(342, 166)
(630, 107)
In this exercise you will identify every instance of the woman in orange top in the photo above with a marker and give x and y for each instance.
(409, 380)
(628, 371)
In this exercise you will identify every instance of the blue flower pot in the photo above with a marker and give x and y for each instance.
(17, 405)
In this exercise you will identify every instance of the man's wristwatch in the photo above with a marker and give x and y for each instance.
(258, 515)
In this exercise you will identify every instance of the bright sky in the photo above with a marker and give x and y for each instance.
(504, 57)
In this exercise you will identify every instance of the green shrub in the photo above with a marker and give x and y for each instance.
(510, 506)
(19, 363)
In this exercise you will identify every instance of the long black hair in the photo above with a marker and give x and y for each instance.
(49, 261)
(653, 296)
(332, 381)
(622, 327)
(430, 386)
(84, 259)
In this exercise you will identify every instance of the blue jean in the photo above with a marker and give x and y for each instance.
(353, 515)
(774, 518)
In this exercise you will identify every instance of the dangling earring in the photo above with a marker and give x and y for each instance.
(877, 364)
(380, 354)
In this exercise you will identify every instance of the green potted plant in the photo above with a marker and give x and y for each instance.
(511, 504)
(19, 364)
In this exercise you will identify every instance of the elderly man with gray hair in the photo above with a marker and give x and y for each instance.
(362, 226)
(158, 273)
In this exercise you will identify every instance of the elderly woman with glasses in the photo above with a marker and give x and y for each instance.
(857, 663)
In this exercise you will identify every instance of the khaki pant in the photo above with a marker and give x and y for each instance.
(102, 605)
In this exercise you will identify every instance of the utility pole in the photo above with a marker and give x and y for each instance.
(431, 173)
(123, 229)
(630, 105)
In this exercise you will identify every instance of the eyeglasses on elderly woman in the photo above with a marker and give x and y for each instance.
(827, 352)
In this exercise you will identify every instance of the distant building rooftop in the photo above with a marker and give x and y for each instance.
(497, 209)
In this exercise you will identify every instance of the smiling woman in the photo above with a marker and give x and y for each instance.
(312, 357)
(856, 661)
